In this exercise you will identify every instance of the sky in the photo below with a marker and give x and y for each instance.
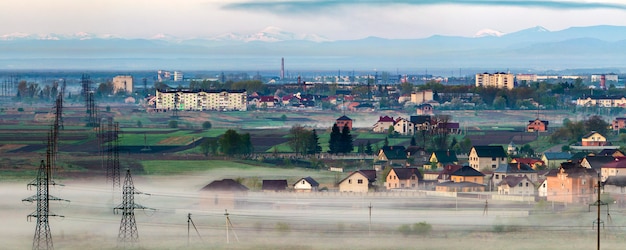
(331, 19)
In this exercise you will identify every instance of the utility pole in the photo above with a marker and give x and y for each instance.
(598, 204)
(370, 223)
(190, 223)
(229, 225)
(43, 238)
(128, 233)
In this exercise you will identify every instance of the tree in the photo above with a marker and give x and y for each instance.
(230, 142)
(413, 143)
(346, 143)
(333, 142)
(105, 89)
(299, 139)
(22, 89)
(172, 124)
(205, 147)
(596, 123)
(314, 144)
(368, 148)
(139, 124)
(206, 125)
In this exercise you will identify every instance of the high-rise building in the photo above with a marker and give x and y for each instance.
(178, 76)
(200, 100)
(499, 80)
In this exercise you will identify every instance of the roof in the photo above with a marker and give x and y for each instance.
(394, 152)
(201, 90)
(412, 150)
(385, 119)
(557, 155)
(617, 163)
(513, 181)
(267, 99)
(369, 174)
(446, 156)
(448, 125)
(448, 170)
(610, 151)
(542, 121)
(573, 170)
(467, 171)
(309, 180)
(274, 185)
(619, 181)
(490, 151)
(514, 168)
(406, 173)
(529, 161)
(344, 118)
(420, 119)
(599, 160)
(225, 185)
(590, 134)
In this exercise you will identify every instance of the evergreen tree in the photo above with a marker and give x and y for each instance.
(386, 142)
(368, 148)
(413, 143)
(333, 142)
(314, 144)
(346, 143)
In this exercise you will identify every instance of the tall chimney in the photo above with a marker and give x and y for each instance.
(282, 68)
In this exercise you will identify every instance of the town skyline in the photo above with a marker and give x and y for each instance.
(332, 20)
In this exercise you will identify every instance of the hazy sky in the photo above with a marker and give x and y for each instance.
(333, 19)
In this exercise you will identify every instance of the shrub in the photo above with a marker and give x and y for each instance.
(206, 125)
(422, 228)
(282, 227)
(172, 124)
(405, 229)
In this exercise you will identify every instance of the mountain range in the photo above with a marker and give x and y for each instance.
(533, 48)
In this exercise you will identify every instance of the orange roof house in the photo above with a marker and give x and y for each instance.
(537, 126)
(344, 121)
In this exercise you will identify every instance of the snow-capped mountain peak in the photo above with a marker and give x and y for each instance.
(15, 36)
(488, 33)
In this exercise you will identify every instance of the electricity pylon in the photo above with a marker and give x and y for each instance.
(128, 227)
(43, 238)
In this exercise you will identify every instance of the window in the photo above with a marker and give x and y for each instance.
(497, 177)
(493, 158)
(360, 181)
(520, 184)
(527, 184)
(349, 181)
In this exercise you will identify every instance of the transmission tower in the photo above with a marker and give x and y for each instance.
(43, 238)
(128, 227)
(90, 105)
(111, 139)
(176, 104)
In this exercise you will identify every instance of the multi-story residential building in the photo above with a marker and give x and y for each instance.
(122, 83)
(178, 76)
(200, 100)
(404, 126)
(383, 124)
(422, 96)
(594, 138)
(487, 157)
(571, 183)
(605, 101)
(499, 80)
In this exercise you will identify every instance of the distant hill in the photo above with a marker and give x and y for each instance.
(537, 47)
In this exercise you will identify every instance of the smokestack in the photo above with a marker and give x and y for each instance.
(282, 68)
(603, 81)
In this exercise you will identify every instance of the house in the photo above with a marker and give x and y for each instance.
(344, 121)
(612, 152)
(487, 157)
(571, 183)
(421, 122)
(448, 127)
(537, 126)
(467, 174)
(403, 178)
(616, 167)
(516, 185)
(542, 190)
(615, 187)
(465, 179)
(274, 185)
(447, 171)
(532, 162)
(391, 156)
(416, 154)
(596, 162)
(359, 181)
(403, 126)
(554, 159)
(594, 138)
(424, 109)
(443, 157)
(618, 123)
(514, 169)
(223, 194)
(383, 124)
(306, 184)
